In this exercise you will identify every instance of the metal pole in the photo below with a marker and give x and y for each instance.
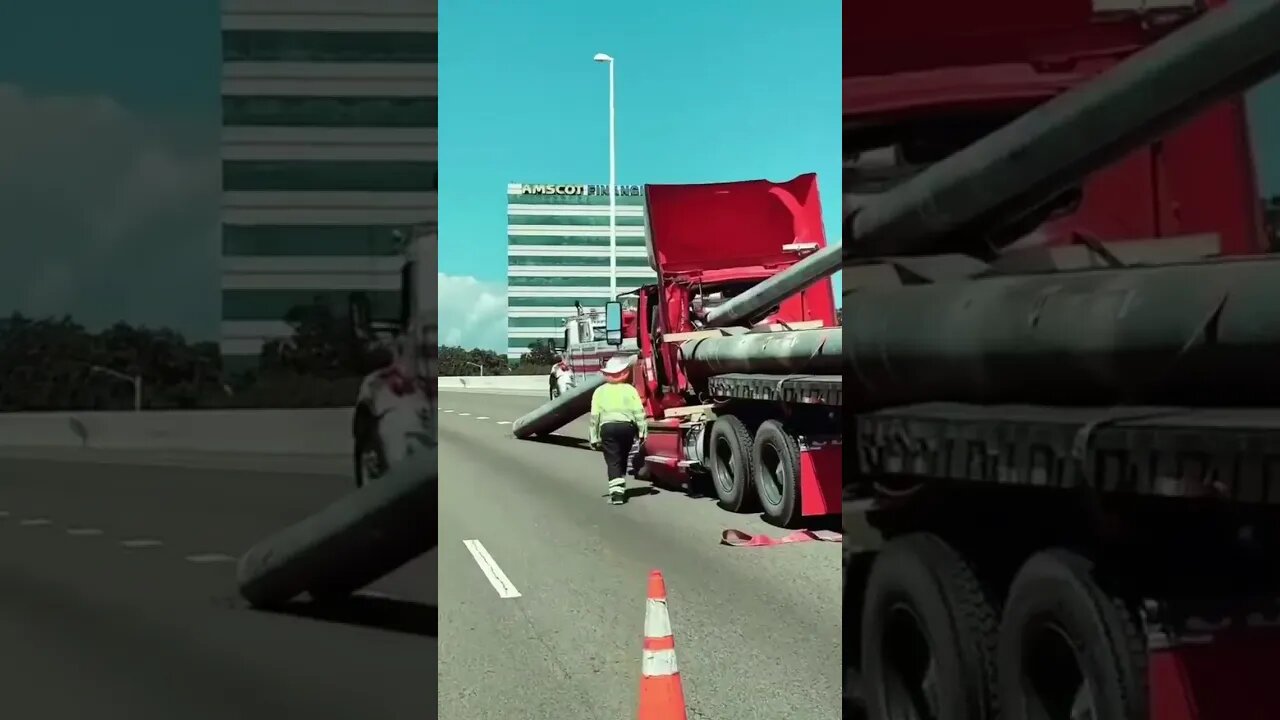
(613, 181)
(137, 393)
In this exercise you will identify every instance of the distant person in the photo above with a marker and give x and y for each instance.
(561, 378)
(617, 421)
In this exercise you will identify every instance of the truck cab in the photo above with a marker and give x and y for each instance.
(583, 345)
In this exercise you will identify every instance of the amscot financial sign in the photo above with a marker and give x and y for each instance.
(603, 190)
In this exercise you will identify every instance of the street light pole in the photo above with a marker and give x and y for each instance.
(478, 365)
(136, 380)
(613, 181)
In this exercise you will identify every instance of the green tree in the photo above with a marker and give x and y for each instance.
(457, 361)
(541, 353)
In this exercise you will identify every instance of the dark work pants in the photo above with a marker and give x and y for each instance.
(616, 439)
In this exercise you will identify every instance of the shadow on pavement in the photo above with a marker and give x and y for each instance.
(562, 441)
(380, 613)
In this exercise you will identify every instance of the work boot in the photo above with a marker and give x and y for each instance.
(617, 491)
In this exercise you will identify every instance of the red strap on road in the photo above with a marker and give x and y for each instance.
(738, 538)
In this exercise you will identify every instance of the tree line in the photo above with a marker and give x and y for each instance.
(457, 361)
(57, 364)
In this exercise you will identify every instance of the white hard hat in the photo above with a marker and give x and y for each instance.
(616, 364)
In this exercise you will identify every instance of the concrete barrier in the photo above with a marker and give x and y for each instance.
(273, 431)
(320, 431)
(507, 384)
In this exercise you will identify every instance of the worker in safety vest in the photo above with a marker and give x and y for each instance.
(617, 420)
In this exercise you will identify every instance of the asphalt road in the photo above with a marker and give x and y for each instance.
(117, 597)
(558, 633)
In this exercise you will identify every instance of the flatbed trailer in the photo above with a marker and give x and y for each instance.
(1050, 511)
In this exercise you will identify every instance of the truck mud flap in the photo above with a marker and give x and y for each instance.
(363, 536)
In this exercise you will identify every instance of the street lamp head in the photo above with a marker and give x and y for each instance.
(602, 57)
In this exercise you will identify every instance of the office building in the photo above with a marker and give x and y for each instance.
(558, 254)
(328, 157)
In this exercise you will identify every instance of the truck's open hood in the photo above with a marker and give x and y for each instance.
(719, 226)
(887, 38)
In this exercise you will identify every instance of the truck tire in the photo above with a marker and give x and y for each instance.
(732, 468)
(855, 566)
(776, 456)
(928, 635)
(1066, 644)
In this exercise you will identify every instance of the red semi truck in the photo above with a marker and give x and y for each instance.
(753, 409)
(1032, 530)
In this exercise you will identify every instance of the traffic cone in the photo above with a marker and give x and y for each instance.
(661, 693)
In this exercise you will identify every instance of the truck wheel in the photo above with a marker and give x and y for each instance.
(732, 468)
(855, 566)
(928, 635)
(776, 456)
(1067, 647)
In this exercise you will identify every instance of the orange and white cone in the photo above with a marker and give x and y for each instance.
(661, 693)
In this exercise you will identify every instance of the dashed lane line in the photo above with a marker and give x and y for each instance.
(205, 558)
(132, 543)
(504, 422)
(498, 579)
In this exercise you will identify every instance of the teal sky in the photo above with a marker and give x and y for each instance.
(706, 91)
(109, 131)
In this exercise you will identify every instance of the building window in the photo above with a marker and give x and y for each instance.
(276, 304)
(561, 262)
(572, 241)
(557, 301)
(328, 46)
(558, 281)
(312, 240)
(335, 112)
(535, 322)
(332, 175)
(594, 220)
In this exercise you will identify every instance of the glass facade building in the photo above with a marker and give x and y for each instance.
(328, 151)
(558, 254)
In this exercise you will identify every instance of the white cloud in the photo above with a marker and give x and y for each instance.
(105, 214)
(473, 313)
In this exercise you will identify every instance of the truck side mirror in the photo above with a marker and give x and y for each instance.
(613, 323)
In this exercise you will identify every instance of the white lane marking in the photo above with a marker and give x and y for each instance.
(209, 558)
(482, 417)
(504, 422)
(489, 567)
(4, 513)
(140, 543)
(464, 414)
(83, 531)
(35, 522)
(448, 411)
